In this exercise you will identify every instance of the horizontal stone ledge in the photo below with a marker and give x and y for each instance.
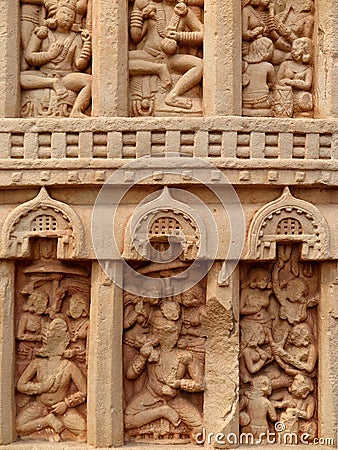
(224, 123)
(72, 176)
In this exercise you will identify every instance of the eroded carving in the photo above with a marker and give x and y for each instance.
(165, 62)
(164, 358)
(277, 35)
(56, 41)
(52, 309)
(164, 341)
(278, 355)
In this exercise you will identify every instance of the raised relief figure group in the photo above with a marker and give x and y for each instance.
(52, 328)
(278, 346)
(277, 58)
(165, 57)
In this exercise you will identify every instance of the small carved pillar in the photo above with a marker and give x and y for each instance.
(105, 409)
(7, 404)
(110, 64)
(221, 361)
(327, 356)
(327, 59)
(222, 66)
(10, 58)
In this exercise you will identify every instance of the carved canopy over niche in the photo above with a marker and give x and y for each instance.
(42, 217)
(288, 219)
(162, 226)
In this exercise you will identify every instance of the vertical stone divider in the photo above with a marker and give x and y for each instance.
(105, 377)
(7, 352)
(327, 351)
(326, 59)
(10, 58)
(110, 58)
(222, 79)
(222, 355)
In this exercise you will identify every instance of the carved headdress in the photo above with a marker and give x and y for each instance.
(70, 4)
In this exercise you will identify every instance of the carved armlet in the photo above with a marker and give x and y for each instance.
(75, 399)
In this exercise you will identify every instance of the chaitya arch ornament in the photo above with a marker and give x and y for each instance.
(288, 220)
(42, 217)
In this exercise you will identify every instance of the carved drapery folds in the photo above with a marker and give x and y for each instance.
(278, 58)
(278, 318)
(163, 340)
(165, 57)
(56, 51)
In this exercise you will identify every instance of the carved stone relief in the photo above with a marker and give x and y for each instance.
(277, 58)
(56, 51)
(52, 324)
(278, 353)
(42, 217)
(163, 342)
(165, 57)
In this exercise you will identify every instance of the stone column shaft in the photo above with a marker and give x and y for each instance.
(110, 58)
(105, 378)
(7, 354)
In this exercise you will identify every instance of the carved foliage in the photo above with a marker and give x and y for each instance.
(278, 58)
(165, 57)
(52, 323)
(278, 352)
(56, 52)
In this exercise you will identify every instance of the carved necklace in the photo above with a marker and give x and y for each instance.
(66, 45)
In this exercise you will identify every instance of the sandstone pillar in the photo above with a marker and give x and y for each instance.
(10, 58)
(222, 82)
(105, 385)
(328, 341)
(327, 58)
(110, 58)
(221, 365)
(7, 404)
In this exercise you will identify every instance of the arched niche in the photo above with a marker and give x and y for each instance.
(42, 217)
(288, 219)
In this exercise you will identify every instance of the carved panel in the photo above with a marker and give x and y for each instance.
(278, 352)
(165, 57)
(278, 58)
(56, 51)
(52, 324)
(164, 350)
(163, 338)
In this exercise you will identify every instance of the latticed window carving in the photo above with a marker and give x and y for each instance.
(289, 227)
(44, 223)
(164, 226)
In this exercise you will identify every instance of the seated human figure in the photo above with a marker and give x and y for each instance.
(171, 371)
(60, 56)
(159, 30)
(49, 379)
